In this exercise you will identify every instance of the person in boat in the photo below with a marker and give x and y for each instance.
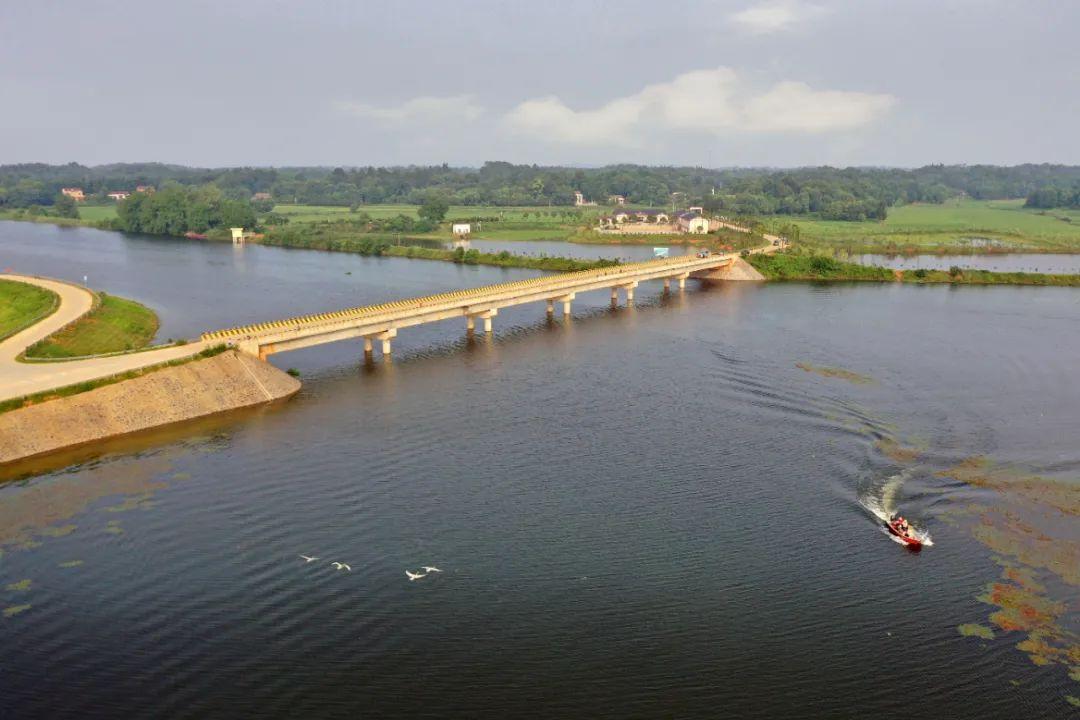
(902, 526)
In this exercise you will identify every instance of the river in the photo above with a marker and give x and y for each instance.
(664, 510)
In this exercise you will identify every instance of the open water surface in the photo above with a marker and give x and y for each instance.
(651, 511)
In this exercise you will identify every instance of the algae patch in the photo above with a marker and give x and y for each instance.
(831, 372)
(71, 564)
(895, 451)
(976, 630)
(21, 586)
(15, 610)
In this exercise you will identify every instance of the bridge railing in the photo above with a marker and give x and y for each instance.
(459, 296)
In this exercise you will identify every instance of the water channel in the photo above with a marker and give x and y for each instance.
(664, 510)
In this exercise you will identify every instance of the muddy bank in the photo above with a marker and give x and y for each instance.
(225, 382)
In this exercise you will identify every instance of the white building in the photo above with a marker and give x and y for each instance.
(690, 222)
(462, 230)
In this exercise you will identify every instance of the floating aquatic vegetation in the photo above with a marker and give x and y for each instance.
(15, 610)
(895, 451)
(71, 564)
(1032, 531)
(976, 630)
(1074, 701)
(182, 476)
(113, 527)
(831, 372)
(57, 531)
(136, 502)
(21, 586)
(34, 510)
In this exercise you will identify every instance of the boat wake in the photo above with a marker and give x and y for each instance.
(881, 503)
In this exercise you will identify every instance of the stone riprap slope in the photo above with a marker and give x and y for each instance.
(185, 392)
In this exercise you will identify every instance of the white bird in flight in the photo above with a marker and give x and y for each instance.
(341, 566)
(430, 569)
(308, 558)
(415, 576)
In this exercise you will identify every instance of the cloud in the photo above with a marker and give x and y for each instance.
(418, 110)
(715, 102)
(774, 16)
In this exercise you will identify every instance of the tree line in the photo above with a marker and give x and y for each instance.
(831, 193)
(1052, 196)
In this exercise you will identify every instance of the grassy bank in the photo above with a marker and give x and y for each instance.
(815, 267)
(114, 325)
(957, 226)
(22, 305)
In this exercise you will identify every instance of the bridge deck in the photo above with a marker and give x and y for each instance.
(368, 320)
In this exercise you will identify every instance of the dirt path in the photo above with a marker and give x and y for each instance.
(18, 379)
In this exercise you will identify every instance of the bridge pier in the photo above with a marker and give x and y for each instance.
(550, 307)
(615, 296)
(682, 280)
(629, 287)
(470, 320)
(566, 300)
(667, 285)
(385, 337)
(369, 350)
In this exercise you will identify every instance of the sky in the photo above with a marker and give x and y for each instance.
(713, 83)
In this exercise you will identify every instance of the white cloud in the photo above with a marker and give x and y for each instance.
(714, 102)
(420, 109)
(774, 16)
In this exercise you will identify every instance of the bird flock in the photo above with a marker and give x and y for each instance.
(423, 573)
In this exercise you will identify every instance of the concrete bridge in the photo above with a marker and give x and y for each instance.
(382, 322)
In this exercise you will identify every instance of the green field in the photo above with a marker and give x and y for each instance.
(956, 226)
(21, 305)
(96, 213)
(512, 223)
(115, 325)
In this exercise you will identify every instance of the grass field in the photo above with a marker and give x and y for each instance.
(956, 226)
(95, 213)
(513, 223)
(114, 326)
(21, 305)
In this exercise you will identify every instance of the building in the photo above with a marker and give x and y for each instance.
(119, 195)
(579, 199)
(260, 196)
(692, 222)
(654, 216)
(617, 200)
(144, 188)
(462, 230)
(74, 193)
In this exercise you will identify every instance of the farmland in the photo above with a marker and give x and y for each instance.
(955, 226)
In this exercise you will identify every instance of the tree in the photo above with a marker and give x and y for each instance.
(64, 206)
(434, 208)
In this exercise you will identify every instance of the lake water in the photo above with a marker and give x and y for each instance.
(557, 248)
(1000, 262)
(664, 510)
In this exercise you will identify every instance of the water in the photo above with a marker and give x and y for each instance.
(556, 248)
(639, 513)
(1000, 262)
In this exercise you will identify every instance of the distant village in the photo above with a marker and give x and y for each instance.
(77, 194)
(650, 221)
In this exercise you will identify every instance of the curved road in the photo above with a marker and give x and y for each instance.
(18, 379)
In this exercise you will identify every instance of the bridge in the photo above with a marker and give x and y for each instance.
(382, 322)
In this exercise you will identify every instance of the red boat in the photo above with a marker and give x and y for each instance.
(909, 539)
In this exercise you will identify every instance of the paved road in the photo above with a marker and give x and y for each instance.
(18, 379)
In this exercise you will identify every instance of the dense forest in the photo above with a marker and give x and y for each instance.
(1055, 197)
(829, 193)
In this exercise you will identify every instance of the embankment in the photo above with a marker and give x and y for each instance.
(224, 382)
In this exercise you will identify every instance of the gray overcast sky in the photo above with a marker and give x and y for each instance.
(699, 82)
